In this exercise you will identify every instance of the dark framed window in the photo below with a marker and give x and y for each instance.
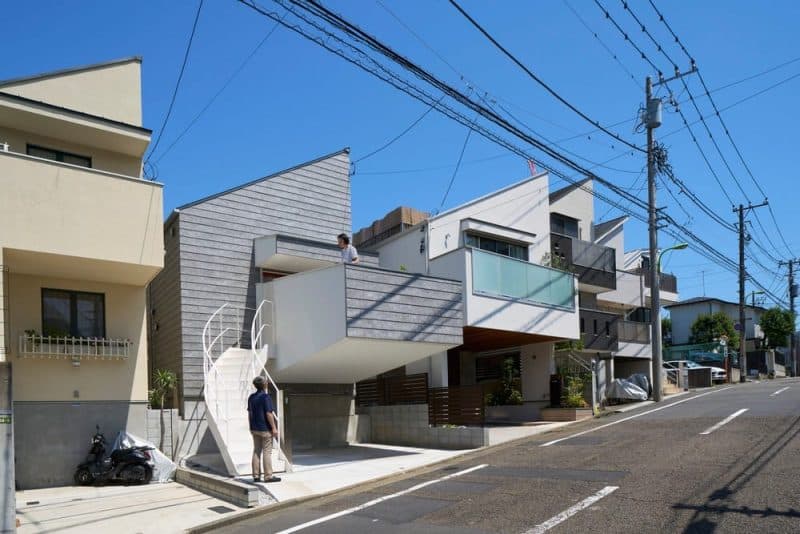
(73, 313)
(561, 224)
(583, 326)
(58, 155)
(490, 366)
(608, 329)
(497, 246)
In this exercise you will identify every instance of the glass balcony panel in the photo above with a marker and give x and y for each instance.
(501, 276)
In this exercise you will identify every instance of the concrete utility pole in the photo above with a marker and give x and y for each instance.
(742, 275)
(652, 120)
(792, 367)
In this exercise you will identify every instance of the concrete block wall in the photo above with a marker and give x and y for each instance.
(163, 430)
(408, 425)
(238, 493)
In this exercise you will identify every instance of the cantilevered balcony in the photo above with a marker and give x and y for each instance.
(345, 323)
(511, 295)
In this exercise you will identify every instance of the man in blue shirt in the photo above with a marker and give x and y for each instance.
(264, 429)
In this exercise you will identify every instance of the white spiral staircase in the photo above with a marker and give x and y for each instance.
(228, 372)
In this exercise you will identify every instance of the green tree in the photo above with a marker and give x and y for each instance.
(666, 330)
(777, 325)
(708, 327)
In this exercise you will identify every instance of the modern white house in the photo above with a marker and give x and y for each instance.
(516, 306)
(614, 285)
(80, 239)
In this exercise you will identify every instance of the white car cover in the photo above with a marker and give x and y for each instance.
(163, 468)
(624, 389)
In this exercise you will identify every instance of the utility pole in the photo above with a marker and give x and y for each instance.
(792, 367)
(742, 275)
(652, 120)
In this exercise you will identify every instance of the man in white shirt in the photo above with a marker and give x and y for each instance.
(349, 252)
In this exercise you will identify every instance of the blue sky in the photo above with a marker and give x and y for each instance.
(295, 101)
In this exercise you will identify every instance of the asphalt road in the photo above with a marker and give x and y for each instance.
(725, 459)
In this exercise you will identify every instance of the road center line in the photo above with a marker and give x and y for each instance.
(779, 391)
(631, 417)
(725, 421)
(373, 502)
(572, 510)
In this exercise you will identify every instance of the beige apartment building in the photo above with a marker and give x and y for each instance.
(80, 239)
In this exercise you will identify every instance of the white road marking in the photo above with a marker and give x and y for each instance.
(572, 510)
(373, 502)
(725, 421)
(779, 391)
(631, 417)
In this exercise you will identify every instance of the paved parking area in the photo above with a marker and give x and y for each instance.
(155, 508)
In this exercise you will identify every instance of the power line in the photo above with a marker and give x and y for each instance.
(538, 80)
(753, 76)
(213, 99)
(705, 249)
(604, 45)
(724, 127)
(455, 170)
(401, 134)
(178, 82)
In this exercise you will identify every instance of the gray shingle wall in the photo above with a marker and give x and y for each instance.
(164, 314)
(403, 306)
(320, 251)
(216, 242)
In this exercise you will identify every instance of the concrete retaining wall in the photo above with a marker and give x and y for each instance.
(163, 430)
(408, 425)
(238, 493)
(52, 438)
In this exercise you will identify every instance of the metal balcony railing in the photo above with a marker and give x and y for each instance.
(633, 332)
(36, 346)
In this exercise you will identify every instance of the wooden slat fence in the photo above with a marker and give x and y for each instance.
(456, 405)
(411, 389)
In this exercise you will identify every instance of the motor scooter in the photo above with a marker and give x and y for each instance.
(133, 465)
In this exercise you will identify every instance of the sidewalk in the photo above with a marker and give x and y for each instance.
(155, 508)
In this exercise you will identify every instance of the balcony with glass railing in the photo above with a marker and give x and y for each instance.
(509, 294)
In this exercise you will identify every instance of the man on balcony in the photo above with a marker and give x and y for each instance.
(349, 252)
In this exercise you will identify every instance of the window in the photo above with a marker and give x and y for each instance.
(561, 224)
(608, 329)
(583, 326)
(490, 367)
(73, 313)
(58, 155)
(497, 246)
(594, 325)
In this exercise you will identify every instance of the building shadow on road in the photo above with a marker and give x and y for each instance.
(720, 501)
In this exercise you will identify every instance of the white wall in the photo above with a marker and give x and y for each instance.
(404, 250)
(536, 364)
(578, 204)
(292, 296)
(523, 206)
